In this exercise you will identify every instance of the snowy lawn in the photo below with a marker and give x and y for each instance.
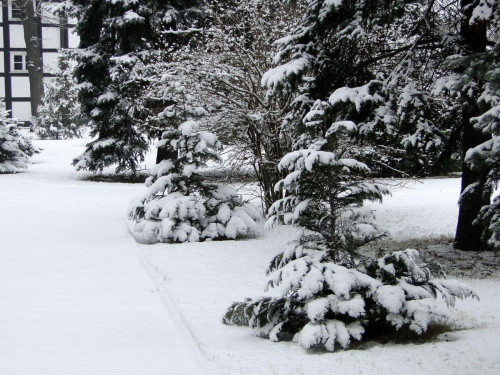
(80, 296)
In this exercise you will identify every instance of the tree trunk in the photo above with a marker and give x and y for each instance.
(30, 21)
(162, 153)
(468, 236)
(267, 153)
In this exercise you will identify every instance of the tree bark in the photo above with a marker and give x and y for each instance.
(30, 21)
(468, 235)
(163, 153)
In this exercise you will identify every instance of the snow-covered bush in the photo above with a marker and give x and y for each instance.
(59, 115)
(322, 294)
(325, 195)
(179, 206)
(15, 148)
(321, 304)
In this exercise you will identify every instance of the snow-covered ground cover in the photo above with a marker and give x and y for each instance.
(80, 296)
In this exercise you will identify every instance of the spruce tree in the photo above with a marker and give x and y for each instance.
(324, 305)
(355, 61)
(323, 294)
(59, 115)
(475, 83)
(389, 68)
(179, 205)
(348, 102)
(15, 148)
(114, 37)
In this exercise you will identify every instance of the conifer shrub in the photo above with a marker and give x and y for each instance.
(15, 148)
(179, 206)
(321, 293)
(59, 115)
(326, 305)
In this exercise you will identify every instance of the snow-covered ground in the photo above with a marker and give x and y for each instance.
(80, 296)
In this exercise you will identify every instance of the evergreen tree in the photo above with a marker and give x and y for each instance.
(59, 115)
(15, 148)
(179, 205)
(325, 195)
(324, 295)
(114, 37)
(380, 66)
(324, 305)
(474, 82)
(364, 61)
(346, 107)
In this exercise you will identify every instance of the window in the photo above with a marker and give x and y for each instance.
(14, 10)
(19, 62)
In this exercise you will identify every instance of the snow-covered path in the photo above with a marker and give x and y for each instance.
(74, 298)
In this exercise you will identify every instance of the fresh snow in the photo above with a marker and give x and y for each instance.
(75, 298)
(80, 296)
(275, 76)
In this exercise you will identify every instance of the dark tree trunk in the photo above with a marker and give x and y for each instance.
(468, 236)
(30, 21)
(267, 153)
(163, 153)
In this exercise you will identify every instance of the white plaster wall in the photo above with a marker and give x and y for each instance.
(21, 110)
(50, 61)
(73, 39)
(20, 87)
(2, 87)
(17, 36)
(51, 37)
